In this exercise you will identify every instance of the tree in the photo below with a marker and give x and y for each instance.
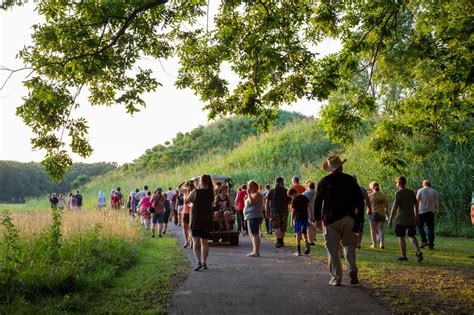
(419, 49)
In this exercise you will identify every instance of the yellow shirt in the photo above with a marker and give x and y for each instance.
(378, 202)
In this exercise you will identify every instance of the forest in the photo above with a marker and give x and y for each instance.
(22, 181)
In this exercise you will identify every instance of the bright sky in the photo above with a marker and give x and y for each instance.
(114, 135)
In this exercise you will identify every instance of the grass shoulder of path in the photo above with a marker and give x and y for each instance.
(442, 283)
(143, 286)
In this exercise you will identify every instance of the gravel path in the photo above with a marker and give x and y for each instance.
(275, 283)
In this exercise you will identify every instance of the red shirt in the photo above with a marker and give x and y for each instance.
(299, 189)
(239, 206)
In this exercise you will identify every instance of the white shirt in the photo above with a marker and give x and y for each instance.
(427, 199)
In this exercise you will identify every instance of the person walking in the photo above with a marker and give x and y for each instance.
(379, 205)
(295, 183)
(339, 204)
(253, 214)
(158, 214)
(428, 204)
(202, 219)
(179, 208)
(167, 205)
(101, 202)
(78, 197)
(299, 219)
(369, 213)
(239, 208)
(61, 202)
(189, 186)
(144, 205)
(405, 211)
(53, 200)
(310, 193)
(267, 217)
(276, 205)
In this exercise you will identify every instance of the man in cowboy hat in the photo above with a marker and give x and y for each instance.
(340, 205)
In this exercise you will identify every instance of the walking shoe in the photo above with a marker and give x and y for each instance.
(297, 253)
(373, 246)
(252, 254)
(164, 232)
(354, 278)
(186, 245)
(307, 249)
(204, 266)
(197, 266)
(423, 245)
(279, 244)
(431, 246)
(160, 236)
(153, 235)
(382, 247)
(402, 258)
(419, 256)
(334, 282)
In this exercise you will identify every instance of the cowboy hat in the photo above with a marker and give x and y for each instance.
(333, 163)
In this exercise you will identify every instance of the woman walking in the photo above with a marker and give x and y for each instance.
(144, 206)
(253, 212)
(202, 220)
(189, 186)
(379, 213)
(101, 203)
(61, 202)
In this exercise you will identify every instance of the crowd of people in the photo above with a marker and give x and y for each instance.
(337, 205)
(74, 201)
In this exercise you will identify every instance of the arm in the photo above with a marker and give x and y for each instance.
(369, 205)
(190, 197)
(267, 208)
(416, 210)
(393, 213)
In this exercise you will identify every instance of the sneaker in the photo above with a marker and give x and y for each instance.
(164, 232)
(373, 246)
(402, 258)
(204, 266)
(419, 256)
(334, 282)
(253, 255)
(307, 249)
(279, 244)
(186, 245)
(153, 235)
(160, 236)
(382, 247)
(297, 253)
(431, 246)
(423, 245)
(354, 278)
(197, 266)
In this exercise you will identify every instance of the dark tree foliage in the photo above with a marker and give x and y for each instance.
(406, 62)
(20, 181)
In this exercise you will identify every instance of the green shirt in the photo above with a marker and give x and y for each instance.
(405, 200)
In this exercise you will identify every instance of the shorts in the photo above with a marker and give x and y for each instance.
(180, 209)
(186, 218)
(377, 218)
(157, 218)
(202, 233)
(254, 225)
(279, 220)
(401, 230)
(301, 226)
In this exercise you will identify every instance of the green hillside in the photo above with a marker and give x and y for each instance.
(297, 148)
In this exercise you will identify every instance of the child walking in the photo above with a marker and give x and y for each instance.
(299, 219)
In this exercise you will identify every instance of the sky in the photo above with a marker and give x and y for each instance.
(114, 135)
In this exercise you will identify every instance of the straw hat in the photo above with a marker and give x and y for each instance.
(333, 163)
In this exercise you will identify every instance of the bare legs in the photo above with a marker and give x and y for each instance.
(186, 234)
(377, 233)
(201, 251)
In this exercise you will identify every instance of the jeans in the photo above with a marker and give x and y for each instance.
(428, 218)
(268, 226)
(241, 224)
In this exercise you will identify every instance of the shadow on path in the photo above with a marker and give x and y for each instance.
(275, 283)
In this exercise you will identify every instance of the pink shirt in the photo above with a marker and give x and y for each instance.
(146, 203)
(241, 200)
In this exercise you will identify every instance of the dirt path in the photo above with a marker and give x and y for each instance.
(275, 283)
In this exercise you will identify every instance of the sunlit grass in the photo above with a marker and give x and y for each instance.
(443, 282)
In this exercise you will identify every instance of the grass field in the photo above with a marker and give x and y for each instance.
(442, 283)
(102, 263)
